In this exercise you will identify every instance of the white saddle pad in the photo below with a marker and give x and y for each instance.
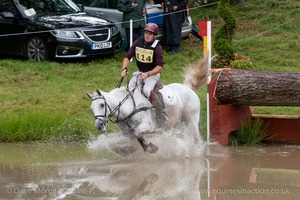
(168, 96)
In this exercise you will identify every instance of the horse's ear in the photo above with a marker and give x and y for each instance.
(98, 92)
(89, 95)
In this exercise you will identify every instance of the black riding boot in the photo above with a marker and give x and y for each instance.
(157, 102)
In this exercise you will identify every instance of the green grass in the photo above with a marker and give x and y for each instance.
(251, 133)
(42, 101)
(41, 126)
(267, 32)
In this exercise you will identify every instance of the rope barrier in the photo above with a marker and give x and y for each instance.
(161, 15)
(259, 34)
(117, 23)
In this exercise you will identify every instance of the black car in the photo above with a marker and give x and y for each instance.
(42, 29)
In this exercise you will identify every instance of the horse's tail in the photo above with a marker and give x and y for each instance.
(195, 75)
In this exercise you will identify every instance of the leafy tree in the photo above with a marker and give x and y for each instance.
(224, 35)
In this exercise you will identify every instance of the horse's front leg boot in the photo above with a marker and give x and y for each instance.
(151, 148)
(138, 134)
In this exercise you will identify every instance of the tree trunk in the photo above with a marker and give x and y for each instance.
(258, 88)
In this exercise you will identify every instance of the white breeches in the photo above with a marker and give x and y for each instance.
(149, 83)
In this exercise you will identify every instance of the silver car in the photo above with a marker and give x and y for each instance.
(108, 9)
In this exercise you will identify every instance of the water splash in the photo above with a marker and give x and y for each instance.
(172, 143)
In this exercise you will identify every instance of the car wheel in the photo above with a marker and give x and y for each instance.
(36, 49)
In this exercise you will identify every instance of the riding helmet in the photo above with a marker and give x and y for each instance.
(151, 27)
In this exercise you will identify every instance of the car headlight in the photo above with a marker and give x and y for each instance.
(67, 34)
(114, 30)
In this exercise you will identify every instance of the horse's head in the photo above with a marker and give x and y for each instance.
(100, 109)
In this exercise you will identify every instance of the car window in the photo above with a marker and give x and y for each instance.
(8, 6)
(112, 4)
(98, 3)
(40, 7)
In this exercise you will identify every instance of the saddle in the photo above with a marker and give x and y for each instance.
(165, 94)
(159, 85)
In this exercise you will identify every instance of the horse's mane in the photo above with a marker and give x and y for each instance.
(118, 89)
(112, 92)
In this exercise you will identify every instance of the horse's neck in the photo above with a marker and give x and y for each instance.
(140, 98)
(114, 97)
(118, 95)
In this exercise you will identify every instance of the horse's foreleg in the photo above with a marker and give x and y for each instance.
(151, 148)
(193, 129)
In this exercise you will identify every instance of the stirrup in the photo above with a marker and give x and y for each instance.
(161, 119)
(165, 116)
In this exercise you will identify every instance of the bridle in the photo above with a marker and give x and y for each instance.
(105, 105)
(117, 108)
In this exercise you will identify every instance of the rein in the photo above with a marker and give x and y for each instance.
(117, 108)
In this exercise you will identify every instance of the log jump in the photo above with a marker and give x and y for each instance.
(233, 93)
(258, 88)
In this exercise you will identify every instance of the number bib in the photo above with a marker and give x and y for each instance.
(144, 55)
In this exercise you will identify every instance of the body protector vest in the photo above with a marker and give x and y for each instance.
(145, 55)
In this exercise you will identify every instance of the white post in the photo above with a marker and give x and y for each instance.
(131, 35)
(131, 32)
(208, 177)
(209, 77)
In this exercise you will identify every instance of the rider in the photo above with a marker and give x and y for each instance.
(149, 60)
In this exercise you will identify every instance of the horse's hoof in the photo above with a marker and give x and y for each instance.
(151, 148)
(124, 151)
(151, 178)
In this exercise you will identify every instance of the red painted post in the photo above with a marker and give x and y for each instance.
(224, 119)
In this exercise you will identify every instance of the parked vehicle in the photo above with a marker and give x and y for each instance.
(154, 13)
(42, 29)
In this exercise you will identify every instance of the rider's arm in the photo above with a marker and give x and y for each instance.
(131, 51)
(127, 58)
(156, 70)
(159, 56)
(159, 64)
(124, 68)
(125, 63)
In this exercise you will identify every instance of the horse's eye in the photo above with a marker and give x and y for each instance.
(102, 105)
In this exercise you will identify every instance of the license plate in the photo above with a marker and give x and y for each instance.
(102, 45)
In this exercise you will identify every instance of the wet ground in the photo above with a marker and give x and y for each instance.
(73, 171)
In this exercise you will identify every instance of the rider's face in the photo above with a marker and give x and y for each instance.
(149, 36)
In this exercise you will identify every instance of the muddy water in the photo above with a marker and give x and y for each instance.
(73, 171)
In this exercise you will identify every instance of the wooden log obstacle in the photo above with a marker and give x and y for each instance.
(234, 93)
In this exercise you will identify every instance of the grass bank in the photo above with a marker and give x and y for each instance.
(46, 101)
